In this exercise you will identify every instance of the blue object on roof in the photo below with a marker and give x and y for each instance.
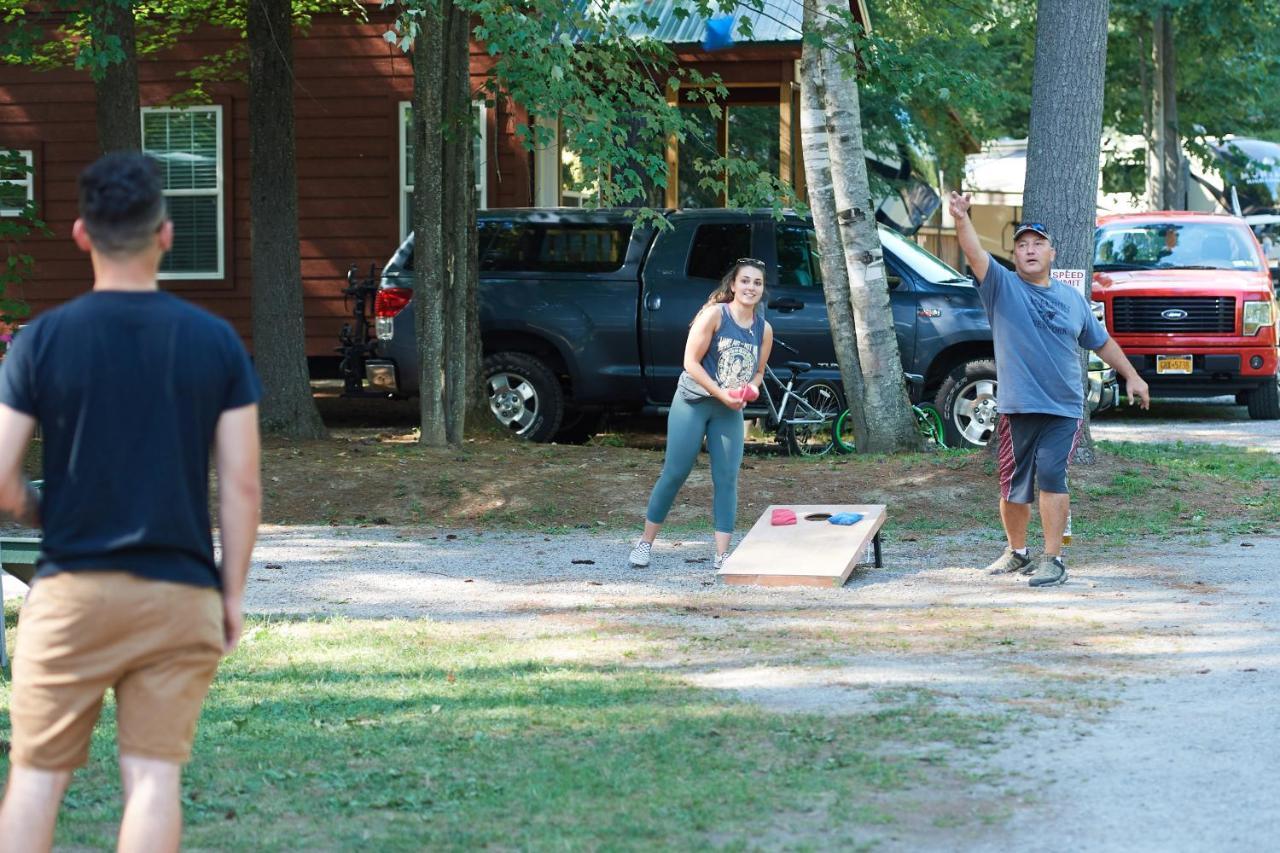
(719, 33)
(679, 22)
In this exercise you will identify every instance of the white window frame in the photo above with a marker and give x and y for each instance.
(481, 163)
(546, 166)
(219, 189)
(29, 181)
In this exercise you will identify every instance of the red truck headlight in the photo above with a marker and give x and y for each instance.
(1258, 314)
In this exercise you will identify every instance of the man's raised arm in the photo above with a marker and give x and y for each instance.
(967, 236)
(239, 509)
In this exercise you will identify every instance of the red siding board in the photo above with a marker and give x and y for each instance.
(349, 82)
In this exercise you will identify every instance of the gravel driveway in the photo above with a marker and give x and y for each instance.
(1144, 690)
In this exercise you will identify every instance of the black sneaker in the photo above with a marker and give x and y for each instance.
(1010, 561)
(1050, 571)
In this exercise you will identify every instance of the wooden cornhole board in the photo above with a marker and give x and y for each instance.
(807, 553)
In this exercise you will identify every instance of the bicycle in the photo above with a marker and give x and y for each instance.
(804, 416)
(928, 420)
(357, 342)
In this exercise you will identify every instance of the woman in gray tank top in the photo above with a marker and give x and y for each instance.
(727, 349)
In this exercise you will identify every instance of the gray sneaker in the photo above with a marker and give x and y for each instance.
(640, 554)
(1009, 562)
(720, 558)
(1050, 571)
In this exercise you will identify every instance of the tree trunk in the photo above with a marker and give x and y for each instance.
(429, 277)
(1148, 122)
(888, 411)
(459, 219)
(116, 86)
(822, 204)
(1168, 190)
(1064, 144)
(279, 336)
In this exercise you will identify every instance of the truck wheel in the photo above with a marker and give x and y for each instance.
(524, 395)
(967, 403)
(1264, 402)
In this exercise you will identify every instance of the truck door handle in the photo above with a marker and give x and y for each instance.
(653, 302)
(786, 303)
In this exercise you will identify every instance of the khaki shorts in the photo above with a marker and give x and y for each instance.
(157, 644)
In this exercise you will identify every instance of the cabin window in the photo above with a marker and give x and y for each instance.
(188, 145)
(478, 164)
(17, 182)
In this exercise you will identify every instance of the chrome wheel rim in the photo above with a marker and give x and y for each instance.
(513, 401)
(974, 411)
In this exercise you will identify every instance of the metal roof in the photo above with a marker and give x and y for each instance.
(775, 20)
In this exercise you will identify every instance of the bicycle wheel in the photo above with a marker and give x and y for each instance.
(929, 422)
(842, 433)
(814, 434)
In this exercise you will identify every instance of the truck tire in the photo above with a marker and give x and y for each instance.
(1264, 401)
(524, 395)
(967, 402)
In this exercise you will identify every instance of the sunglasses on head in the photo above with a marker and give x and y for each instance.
(750, 262)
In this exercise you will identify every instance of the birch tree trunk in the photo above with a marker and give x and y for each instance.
(891, 426)
(116, 88)
(279, 335)
(822, 205)
(429, 275)
(1064, 144)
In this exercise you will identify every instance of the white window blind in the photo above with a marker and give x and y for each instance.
(188, 145)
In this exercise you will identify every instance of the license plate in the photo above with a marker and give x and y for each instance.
(1173, 364)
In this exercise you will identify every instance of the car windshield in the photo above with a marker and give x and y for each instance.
(1268, 235)
(1173, 245)
(921, 262)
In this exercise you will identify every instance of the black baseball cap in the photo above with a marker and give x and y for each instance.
(1035, 227)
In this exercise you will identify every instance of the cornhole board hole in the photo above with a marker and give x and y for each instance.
(807, 553)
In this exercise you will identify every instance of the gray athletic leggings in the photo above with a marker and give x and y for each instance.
(686, 426)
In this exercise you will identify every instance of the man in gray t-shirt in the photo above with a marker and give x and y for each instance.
(1038, 326)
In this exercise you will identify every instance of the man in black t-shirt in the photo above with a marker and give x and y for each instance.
(130, 387)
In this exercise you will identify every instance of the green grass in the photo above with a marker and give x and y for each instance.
(1184, 473)
(398, 735)
(1236, 464)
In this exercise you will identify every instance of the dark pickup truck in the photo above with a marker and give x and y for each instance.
(583, 312)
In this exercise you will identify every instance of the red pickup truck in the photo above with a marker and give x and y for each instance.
(1189, 298)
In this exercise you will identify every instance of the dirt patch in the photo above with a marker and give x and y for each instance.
(365, 476)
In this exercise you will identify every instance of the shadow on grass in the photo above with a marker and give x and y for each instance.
(390, 736)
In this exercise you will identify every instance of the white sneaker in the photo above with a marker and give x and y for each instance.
(640, 554)
(720, 558)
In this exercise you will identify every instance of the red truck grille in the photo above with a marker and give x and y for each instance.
(1215, 315)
